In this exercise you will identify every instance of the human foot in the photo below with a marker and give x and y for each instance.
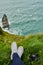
(13, 49)
(20, 51)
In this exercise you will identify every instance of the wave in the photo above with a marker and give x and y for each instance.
(11, 30)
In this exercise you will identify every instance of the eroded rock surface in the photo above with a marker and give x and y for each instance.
(5, 21)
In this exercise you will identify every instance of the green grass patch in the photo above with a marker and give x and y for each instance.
(31, 44)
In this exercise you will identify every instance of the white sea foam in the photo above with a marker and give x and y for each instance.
(16, 31)
(0, 23)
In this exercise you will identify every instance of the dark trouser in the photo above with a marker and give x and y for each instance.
(16, 60)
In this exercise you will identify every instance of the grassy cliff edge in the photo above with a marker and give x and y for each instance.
(31, 44)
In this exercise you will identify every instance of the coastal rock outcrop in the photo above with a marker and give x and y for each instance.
(5, 21)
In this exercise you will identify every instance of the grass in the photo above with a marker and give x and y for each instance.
(31, 44)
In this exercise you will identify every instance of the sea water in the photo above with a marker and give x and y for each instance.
(25, 16)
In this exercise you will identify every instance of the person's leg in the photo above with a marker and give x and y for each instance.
(16, 60)
(16, 54)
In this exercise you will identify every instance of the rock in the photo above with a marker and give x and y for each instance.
(5, 21)
(34, 57)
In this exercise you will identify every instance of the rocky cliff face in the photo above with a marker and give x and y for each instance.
(5, 21)
(1, 31)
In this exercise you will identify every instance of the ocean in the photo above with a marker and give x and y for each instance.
(25, 16)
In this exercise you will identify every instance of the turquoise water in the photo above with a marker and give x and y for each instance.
(25, 16)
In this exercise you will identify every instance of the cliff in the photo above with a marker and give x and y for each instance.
(31, 44)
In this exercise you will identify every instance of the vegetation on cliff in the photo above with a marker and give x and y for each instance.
(31, 44)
